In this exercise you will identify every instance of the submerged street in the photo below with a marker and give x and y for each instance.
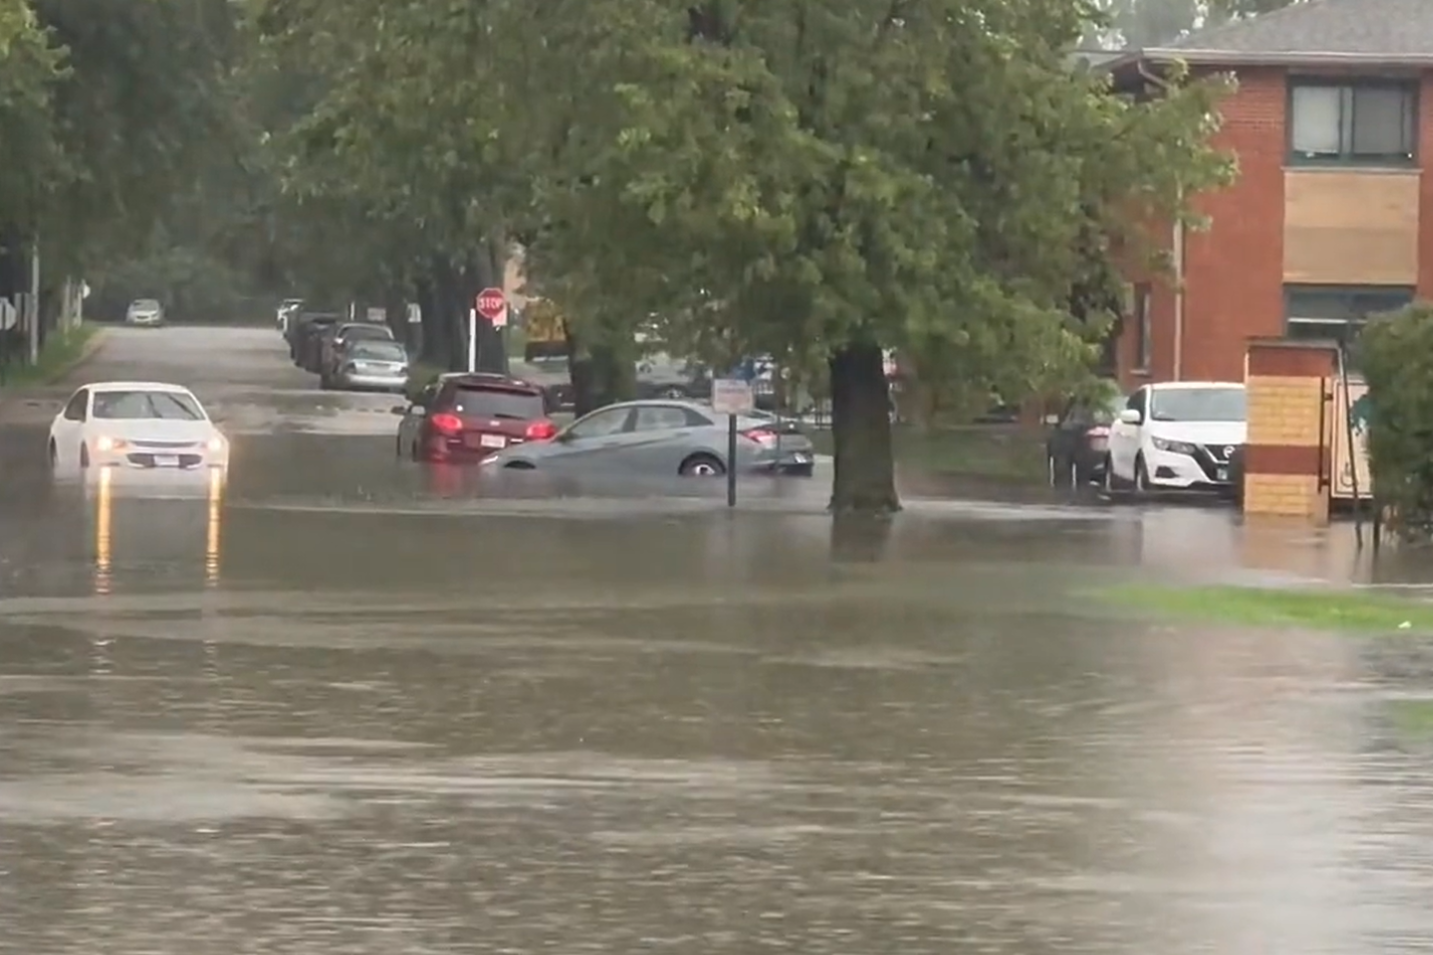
(347, 703)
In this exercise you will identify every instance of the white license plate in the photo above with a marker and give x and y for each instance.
(493, 441)
(1222, 474)
(166, 460)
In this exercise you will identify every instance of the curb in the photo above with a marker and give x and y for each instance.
(96, 341)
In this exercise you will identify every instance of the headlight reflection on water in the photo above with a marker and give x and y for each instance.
(104, 521)
(211, 536)
(103, 517)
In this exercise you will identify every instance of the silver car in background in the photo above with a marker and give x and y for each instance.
(144, 311)
(372, 364)
(663, 437)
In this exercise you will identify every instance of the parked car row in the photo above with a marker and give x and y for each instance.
(346, 355)
(1173, 436)
(501, 422)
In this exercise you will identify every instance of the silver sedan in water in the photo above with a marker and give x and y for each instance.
(659, 437)
(371, 364)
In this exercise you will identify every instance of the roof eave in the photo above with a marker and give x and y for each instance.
(1242, 58)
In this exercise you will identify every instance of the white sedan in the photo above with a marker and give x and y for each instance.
(136, 424)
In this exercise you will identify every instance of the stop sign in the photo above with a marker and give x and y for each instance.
(492, 304)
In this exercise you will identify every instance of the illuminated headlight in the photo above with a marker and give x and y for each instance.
(216, 443)
(1174, 447)
(110, 444)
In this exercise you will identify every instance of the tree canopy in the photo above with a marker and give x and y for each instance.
(814, 181)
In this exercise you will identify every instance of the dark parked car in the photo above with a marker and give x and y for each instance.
(300, 327)
(1078, 444)
(466, 417)
(312, 343)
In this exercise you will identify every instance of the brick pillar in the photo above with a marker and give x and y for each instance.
(1287, 457)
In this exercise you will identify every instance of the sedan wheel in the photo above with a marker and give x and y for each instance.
(702, 466)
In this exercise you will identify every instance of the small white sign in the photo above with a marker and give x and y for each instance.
(415, 313)
(378, 315)
(732, 396)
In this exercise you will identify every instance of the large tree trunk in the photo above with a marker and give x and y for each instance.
(861, 430)
(485, 271)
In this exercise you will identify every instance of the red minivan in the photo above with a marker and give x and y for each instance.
(469, 416)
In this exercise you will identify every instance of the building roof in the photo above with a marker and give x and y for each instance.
(1315, 32)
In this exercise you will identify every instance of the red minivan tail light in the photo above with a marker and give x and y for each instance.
(762, 436)
(447, 423)
(541, 431)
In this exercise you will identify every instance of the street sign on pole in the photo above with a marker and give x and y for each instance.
(493, 305)
(732, 396)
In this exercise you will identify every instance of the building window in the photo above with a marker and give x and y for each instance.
(1372, 123)
(1143, 330)
(1338, 312)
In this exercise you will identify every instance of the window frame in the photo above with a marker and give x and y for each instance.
(1354, 320)
(1347, 86)
(689, 418)
(626, 428)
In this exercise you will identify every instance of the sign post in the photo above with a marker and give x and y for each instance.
(492, 305)
(731, 397)
(472, 340)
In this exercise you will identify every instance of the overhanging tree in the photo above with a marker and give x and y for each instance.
(859, 176)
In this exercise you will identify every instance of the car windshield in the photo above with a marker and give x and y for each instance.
(137, 405)
(379, 351)
(497, 403)
(1198, 404)
(145, 303)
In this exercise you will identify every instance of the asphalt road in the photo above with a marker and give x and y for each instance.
(354, 705)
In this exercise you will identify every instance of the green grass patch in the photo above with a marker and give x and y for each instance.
(1413, 717)
(1350, 611)
(61, 352)
(994, 451)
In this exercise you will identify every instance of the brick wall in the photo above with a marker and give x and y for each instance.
(1234, 286)
(1286, 456)
(1233, 271)
(1284, 410)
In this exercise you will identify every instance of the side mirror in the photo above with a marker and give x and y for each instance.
(1051, 420)
(400, 409)
(1131, 416)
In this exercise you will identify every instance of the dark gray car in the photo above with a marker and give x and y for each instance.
(659, 437)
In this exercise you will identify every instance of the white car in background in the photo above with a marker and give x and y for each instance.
(144, 311)
(141, 425)
(1178, 436)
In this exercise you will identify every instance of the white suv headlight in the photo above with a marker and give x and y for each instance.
(1173, 447)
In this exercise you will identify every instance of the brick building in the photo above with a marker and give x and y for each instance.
(1332, 123)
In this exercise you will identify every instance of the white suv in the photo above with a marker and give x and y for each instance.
(1179, 435)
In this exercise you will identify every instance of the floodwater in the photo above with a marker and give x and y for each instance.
(346, 704)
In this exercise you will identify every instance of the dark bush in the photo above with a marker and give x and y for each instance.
(1396, 355)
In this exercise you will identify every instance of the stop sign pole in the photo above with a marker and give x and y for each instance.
(491, 304)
